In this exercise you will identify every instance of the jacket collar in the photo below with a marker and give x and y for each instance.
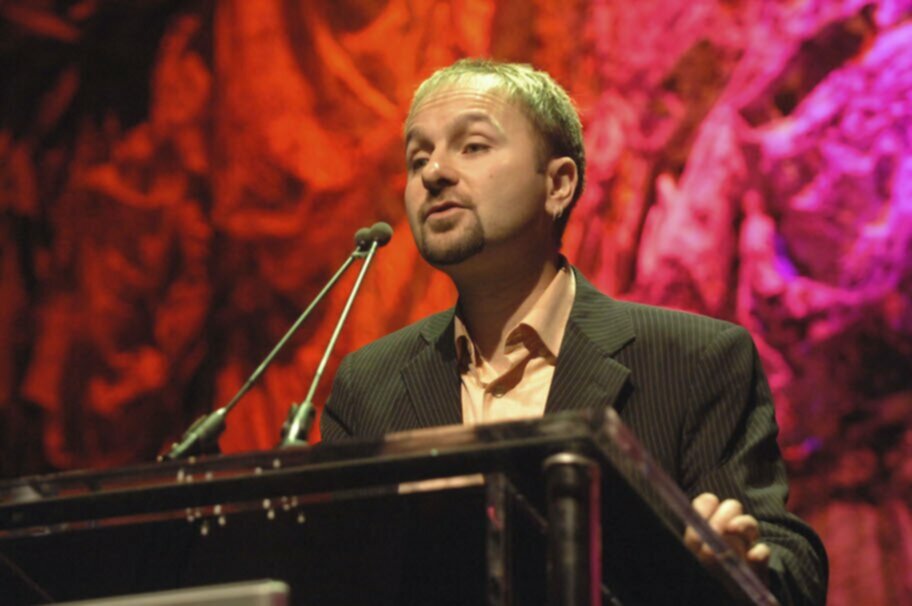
(587, 375)
(438, 326)
(601, 319)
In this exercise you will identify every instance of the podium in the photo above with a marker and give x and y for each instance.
(567, 509)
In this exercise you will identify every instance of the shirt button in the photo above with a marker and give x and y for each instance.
(498, 392)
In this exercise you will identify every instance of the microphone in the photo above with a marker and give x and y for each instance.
(301, 416)
(381, 233)
(363, 238)
(203, 434)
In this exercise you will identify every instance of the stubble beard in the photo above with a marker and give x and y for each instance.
(447, 248)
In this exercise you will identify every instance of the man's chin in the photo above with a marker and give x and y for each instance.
(446, 250)
(447, 256)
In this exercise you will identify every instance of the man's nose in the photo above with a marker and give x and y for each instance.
(437, 174)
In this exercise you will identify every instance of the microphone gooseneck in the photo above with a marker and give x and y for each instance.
(203, 434)
(301, 416)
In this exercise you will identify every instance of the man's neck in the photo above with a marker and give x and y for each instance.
(493, 303)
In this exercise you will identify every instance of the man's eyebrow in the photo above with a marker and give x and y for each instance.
(460, 123)
(413, 133)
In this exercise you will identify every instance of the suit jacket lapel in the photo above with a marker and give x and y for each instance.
(586, 375)
(432, 377)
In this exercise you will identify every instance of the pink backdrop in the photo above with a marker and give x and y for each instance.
(178, 179)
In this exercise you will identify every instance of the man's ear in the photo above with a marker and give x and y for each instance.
(562, 177)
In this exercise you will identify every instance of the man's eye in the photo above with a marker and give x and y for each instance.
(417, 163)
(474, 148)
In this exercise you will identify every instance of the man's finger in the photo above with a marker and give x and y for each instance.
(758, 559)
(692, 540)
(724, 513)
(729, 512)
(744, 526)
(759, 554)
(705, 504)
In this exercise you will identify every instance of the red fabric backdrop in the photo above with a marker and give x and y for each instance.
(177, 180)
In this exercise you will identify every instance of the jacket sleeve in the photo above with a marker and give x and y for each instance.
(730, 450)
(334, 422)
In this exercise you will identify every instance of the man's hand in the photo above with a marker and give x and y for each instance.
(740, 531)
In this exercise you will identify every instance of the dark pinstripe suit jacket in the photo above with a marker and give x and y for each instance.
(690, 387)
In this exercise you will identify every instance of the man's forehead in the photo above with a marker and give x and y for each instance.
(459, 120)
(470, 101)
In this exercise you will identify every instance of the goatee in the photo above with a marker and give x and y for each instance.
(454, 249)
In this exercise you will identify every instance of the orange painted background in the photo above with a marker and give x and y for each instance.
(177, 180)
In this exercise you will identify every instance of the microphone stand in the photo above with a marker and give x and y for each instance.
(301, 416)
(206, 430)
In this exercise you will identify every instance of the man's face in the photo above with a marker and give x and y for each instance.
(475, 181)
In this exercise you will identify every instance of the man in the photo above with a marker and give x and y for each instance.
(495, 164)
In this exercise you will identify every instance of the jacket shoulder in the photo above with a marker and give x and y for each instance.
(666, 318)
(614, 323)
(672, 331)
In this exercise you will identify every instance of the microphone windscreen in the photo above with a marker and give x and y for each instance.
(381, 233)
(363, 237)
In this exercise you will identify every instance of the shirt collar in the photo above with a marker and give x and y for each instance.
(547, 318)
